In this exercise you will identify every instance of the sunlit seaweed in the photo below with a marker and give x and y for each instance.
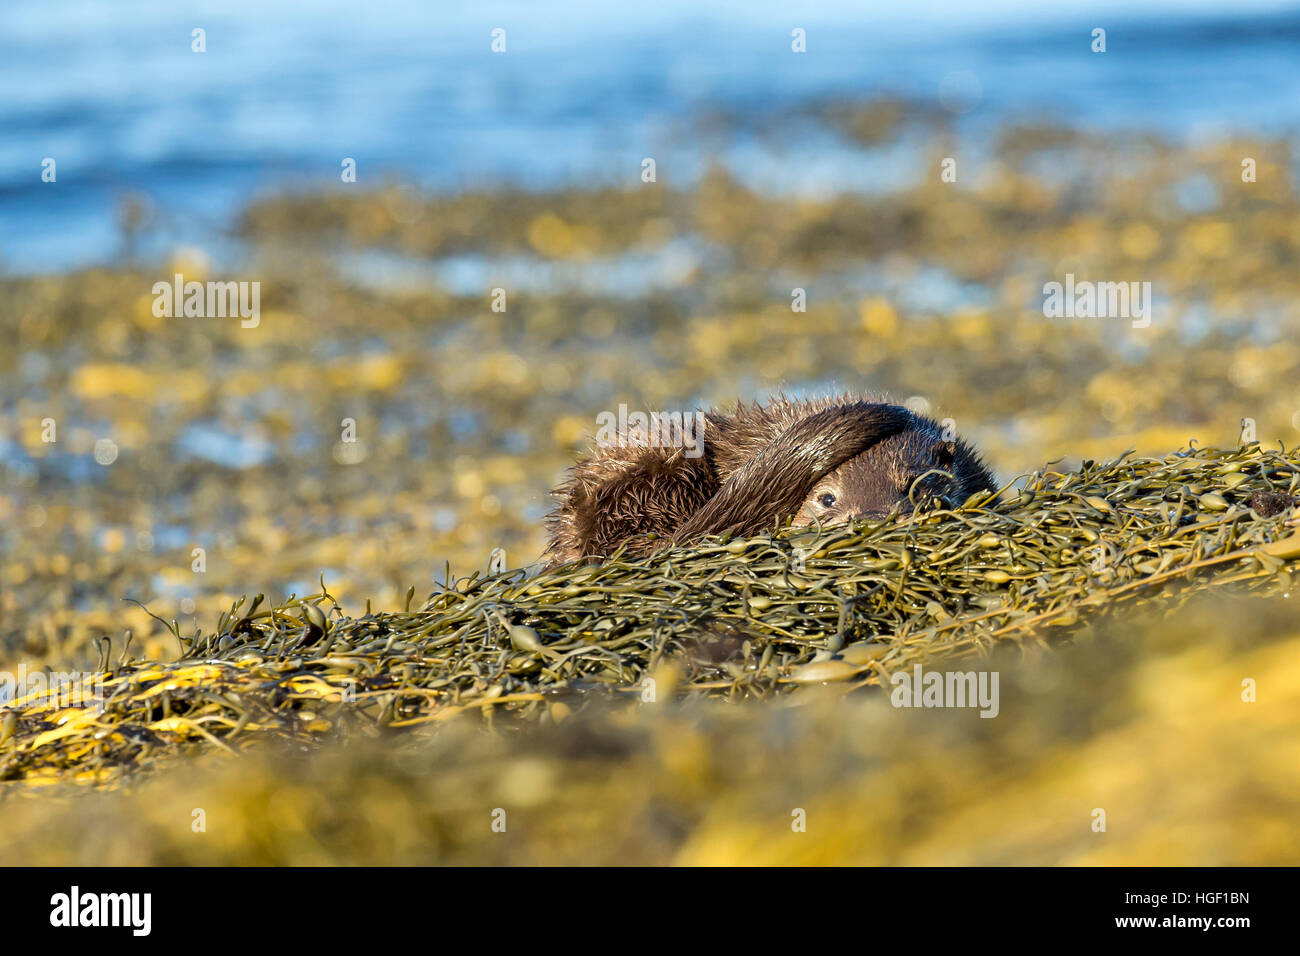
(749, 618)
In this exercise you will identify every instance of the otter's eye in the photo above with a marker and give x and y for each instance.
(827, 500)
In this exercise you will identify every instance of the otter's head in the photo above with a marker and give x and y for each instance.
(915, 468)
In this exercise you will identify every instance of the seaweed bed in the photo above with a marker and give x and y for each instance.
(738, 619)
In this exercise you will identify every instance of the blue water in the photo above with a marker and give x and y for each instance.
(112, 92)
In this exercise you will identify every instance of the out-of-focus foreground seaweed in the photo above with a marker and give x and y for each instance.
(1144, 721)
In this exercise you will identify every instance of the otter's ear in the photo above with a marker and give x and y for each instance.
(945, 452)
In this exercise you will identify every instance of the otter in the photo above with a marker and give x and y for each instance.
(823, 460)
(1269, 504)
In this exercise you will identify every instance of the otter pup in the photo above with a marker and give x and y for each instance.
(824, 460)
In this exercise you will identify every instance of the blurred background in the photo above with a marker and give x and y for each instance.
(584, 91)
(523, 170)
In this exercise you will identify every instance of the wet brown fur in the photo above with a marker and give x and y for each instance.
(759, 467)
(1271, 503)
